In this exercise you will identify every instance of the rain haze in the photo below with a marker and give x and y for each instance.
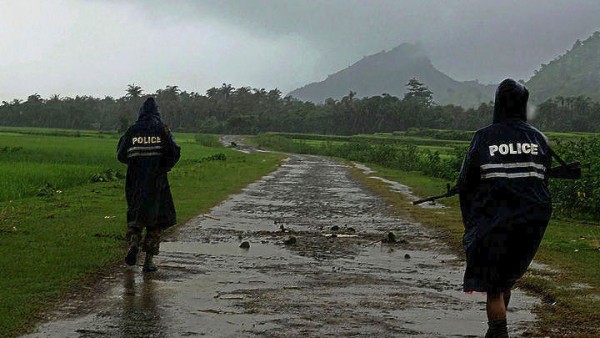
(99, 47)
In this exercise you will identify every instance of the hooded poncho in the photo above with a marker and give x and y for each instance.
(149, 150)
(503, 192)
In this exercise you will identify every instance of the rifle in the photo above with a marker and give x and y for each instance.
(449, 193)
(569, 171)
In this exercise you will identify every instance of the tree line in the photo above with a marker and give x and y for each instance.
(247, 110)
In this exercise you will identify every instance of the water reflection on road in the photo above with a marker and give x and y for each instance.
(140, 314)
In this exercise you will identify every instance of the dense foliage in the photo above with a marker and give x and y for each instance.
(581, 197)
(250, 111)
(575, 73)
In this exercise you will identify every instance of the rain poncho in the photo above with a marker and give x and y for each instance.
(149, 150)
(503, 192)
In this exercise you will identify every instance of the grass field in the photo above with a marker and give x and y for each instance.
(396, 138)
(442, 141)
(57, 226)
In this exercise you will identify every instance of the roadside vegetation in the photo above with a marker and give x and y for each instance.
(569, 287)
(62, 208)
(440, 158)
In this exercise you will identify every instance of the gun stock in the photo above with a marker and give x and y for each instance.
(571, 171)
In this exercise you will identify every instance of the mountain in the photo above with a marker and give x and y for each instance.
(575, 73)
(389, 72)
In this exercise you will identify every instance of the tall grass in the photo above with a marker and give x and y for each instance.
(208, 140)
(581, 197)
(30, 162)
(59, 161)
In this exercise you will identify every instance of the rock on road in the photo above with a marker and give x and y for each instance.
(330, 282)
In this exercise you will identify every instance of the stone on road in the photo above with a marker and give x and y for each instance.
(327, 283)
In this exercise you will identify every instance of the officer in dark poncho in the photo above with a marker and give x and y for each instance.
(149, 150)
(504, 201)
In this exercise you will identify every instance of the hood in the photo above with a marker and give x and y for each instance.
(511, 101)
(149, 111)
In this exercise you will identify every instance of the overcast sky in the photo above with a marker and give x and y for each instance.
(98, 47)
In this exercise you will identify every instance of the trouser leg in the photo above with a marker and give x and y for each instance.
(134, 237)
(151, 243)
(507, 295)
(133, 234)
(151, 247)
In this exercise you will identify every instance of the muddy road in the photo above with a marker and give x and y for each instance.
(315, 268)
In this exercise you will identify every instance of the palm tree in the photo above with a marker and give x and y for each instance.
(134, 91)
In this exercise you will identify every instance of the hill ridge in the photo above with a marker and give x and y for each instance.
(389, 72)
(575, 73)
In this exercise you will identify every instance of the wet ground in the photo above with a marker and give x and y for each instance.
(316, 267)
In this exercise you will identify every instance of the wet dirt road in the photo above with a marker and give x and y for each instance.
(321, 285)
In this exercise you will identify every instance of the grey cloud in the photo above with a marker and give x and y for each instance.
(97, 47)
(469, 39)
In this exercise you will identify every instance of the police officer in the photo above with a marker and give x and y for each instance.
(149, 150)
(504, 201)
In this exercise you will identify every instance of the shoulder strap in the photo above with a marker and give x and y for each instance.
(560, 160)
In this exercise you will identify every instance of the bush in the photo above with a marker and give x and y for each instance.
(108, 175)
(215, 157)
(579, 197)
(280, 143)
(440, 134)
(10, 149)
(208, 140)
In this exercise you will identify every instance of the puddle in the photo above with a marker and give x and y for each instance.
(398, 187)
(236, 142)
(257, 250)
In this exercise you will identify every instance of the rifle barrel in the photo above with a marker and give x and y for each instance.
(428, 199)
(451, 192)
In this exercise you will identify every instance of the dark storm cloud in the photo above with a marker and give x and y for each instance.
(487, 40)
(97, 47)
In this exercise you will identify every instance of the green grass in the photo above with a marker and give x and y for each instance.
(50, 244)
(420, 138)
(34, 160)
(444, 151)
(23, 131)
(574, 136)
(62, 161)
(376, 139)
(208, 140)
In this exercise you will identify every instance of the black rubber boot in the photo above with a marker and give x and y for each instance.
(134, 249)
(497, 329)
(149, 265)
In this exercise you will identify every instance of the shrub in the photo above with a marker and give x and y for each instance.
(108, 175)
(208, 140)
(215, 157)
(580, 197)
